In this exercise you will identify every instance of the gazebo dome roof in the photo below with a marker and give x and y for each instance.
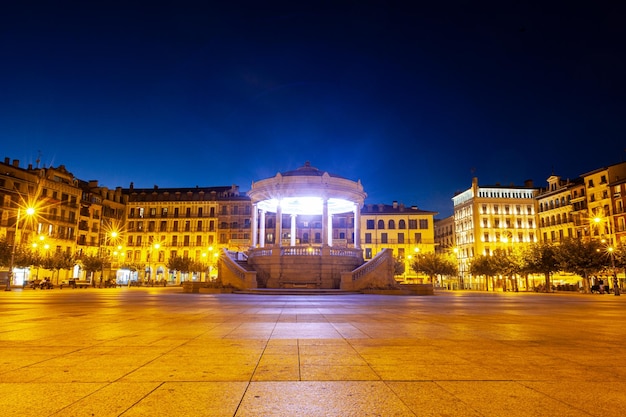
(307, 171)
(303, 190)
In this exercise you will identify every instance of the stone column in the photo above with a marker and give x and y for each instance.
(330, 230)
(279, 225)
(325, 222)
(357, 227)
(262, 232)
(255, 225)
(293, 230)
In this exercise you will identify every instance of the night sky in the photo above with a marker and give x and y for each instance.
(412, 100)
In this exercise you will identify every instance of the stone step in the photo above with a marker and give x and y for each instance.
(294, 291)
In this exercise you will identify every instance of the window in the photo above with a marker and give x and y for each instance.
(153, 212)
(368, 253)
(175, 228)
(163, 226)
(603, 179)
(370, 225)
(486, 237)
(198, 240)
(418, 238)
(412, 224)
(368, 238)
(381, 224)
(401, 224)
(174, 240)
(423, 223)
(495, 208)
(391, 224)
(400, 237)
(590, 183)
(164, 212)
(383, 238)
(199, 226)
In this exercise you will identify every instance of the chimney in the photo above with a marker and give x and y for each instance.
(528, 183)
(30, 167)
(7, 160)
(132, 185)
(395, 204)
(16, 163)
(156, 187)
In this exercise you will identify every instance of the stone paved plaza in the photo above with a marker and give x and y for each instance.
(160, 352)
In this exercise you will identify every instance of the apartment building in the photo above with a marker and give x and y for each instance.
(162, 223)
(491, 217)
(405, 230)
(445, 236)
(618, 189)
(561, 206)
(601, 200)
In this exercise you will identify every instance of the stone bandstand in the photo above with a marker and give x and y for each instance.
(310, 258)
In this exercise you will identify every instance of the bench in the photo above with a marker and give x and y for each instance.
(76, 283)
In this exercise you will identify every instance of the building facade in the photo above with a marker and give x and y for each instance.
(487, 218)
(408, 231)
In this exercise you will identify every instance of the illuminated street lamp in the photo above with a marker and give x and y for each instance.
(29, 211)
(611, 251)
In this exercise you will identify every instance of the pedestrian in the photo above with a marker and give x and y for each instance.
(615, 285)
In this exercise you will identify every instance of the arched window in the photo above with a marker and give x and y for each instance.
(381, 224)
(391, 224)
(401, 224)
(540, 207)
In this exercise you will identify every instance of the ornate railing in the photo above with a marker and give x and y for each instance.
(231, 273)
(300, 251)
(305, 251)
(372, 265)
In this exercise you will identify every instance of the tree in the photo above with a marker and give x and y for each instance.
(581, 258)
(541, 259)
(482, 265)
(503, 264)
(5, 252)
(58, 261)
(92, 264)
(180, 264)
(433, 264)
(398, 266)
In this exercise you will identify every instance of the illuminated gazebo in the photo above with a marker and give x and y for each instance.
(306, 191)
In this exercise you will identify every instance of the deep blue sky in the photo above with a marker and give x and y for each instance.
(411, 100)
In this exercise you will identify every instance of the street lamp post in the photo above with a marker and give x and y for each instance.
(30, 211)
(615, 282)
